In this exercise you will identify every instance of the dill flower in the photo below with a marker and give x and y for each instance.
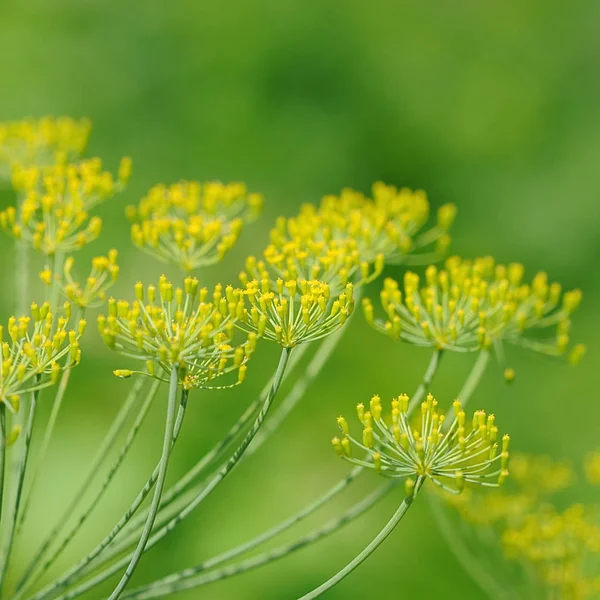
(293, 312)
(592, 467)
(449, 457)
(471, 304)
(39, 142)
(187, 329)
(389, 224)
(92, 293)
(191, 224)
(560, 547)
(54, 214)
(32, 353)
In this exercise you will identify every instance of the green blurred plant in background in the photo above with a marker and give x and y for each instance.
(490, 108)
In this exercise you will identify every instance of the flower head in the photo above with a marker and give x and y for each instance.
(39, 142)
(465, 452)
(187, 329)
(92, 292)
(54, 213)
(191, 224)
(294, 312)
(469, 305)
(32, 353)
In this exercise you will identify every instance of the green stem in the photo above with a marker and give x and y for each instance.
(474, 377)
(263, 537)
(158, 489)
(99, 458)
(483, 578)
(425, 384)
(2, 453)
(14, 508)
(49, 430)
(190, 580)
(29, 575)
(377, 541)
(75, 571)
(220, 476)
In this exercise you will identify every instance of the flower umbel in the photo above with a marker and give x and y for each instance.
(469, 305)
(178, 328)
(295, 311)
(450, 457)
(191, 224)
(54, 213)
(32, 354)
(39, 142)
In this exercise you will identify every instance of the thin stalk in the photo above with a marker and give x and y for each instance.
(328, 345)
(71, 575)
(99, 458)
(425, 384)
(484, 579)
(377, 541)
(474, 377)
(14, 508)
(31, 575)
(220, 476)
(187, 582)
(48, 431)
(158, 489)
(264, 537)
(2, 452)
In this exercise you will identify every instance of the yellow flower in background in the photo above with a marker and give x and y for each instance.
(53, 215)
(592, 468)
(470, 304)
(187, 329)
(464, 452)
(40, 142)
(293, 312)
(32, 353)
(190, 224)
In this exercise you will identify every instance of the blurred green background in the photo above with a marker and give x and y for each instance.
(493, 106)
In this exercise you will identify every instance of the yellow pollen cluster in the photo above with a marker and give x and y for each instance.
(187, 328)
(471, 304)
(54, 213)
(103, 275)
(32, 353)
(385, 227)
(295, 311)
(464, 452)
(39, 142)
(190, 224)
(561, 547)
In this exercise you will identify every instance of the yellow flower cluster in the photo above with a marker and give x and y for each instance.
(473, 303)
(450, 457)
(190, 224)
(592, 467)
(561, 547)
(40, 142)
(103, 275)
(293, 312)
(187, 329)
(54, 214)
(337, 241)
(32, 353)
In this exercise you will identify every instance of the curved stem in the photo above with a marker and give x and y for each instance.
(474, 377)
(160, 483)
(2, 452)
(485, 580)
(99, 458)
(220, 476)
(105, 484)
(261, 538)
(432, 367)
(187, 582)
(377, 541)
(14, 514)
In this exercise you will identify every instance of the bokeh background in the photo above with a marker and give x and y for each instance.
(493, 106)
